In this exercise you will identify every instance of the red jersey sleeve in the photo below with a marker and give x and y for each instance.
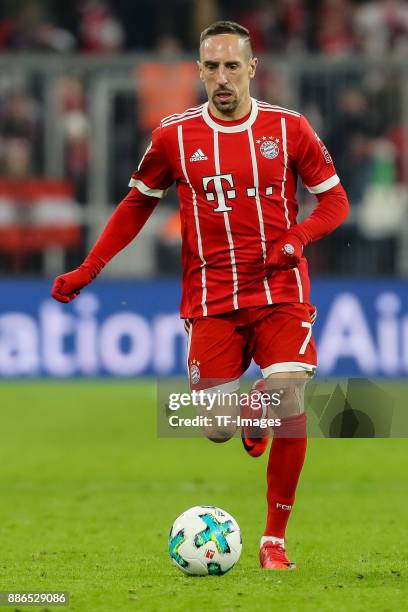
(313, 162)
(154, 174)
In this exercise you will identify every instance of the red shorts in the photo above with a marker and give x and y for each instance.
(278, 337)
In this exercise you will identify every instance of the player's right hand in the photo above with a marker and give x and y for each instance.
(68, 286)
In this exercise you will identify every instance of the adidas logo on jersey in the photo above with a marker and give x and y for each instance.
(198, 156)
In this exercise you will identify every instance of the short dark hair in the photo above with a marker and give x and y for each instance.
(227, 27)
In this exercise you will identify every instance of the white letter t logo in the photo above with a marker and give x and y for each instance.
(219, 191)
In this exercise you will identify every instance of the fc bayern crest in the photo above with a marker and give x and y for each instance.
(195, 372)
(269, 149)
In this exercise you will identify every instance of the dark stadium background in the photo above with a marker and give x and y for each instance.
(82, 84)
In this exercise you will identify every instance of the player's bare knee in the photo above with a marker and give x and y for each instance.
(290, 388)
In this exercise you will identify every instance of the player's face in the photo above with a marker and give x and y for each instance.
(226, 69)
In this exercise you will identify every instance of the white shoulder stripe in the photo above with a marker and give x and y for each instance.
(325, 185)
(188, 110)
(275, 106)
(181, 116)
(279, 110)
(143, 188)
(181, 119)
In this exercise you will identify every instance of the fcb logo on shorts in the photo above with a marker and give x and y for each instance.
(195, 372)
(269, 148)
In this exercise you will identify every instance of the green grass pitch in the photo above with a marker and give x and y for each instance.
(88, 494)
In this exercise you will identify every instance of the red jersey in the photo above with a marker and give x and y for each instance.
(236, 183)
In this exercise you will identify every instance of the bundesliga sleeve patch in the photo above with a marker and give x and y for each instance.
(324, 150)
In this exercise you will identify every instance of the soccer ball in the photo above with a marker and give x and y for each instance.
(205, 540)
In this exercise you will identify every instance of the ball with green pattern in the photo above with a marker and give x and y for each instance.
(205, 540)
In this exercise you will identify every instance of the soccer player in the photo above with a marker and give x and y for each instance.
(235, 161)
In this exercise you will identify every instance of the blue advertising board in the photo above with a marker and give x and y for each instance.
(132, 328)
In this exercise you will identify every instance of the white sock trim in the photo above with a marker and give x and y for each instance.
(273, 539)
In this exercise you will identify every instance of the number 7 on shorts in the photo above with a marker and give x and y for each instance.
(308, 325)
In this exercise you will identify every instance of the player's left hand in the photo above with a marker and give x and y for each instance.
(285, 253)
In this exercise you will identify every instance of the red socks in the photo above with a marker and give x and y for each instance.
(285, 463)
